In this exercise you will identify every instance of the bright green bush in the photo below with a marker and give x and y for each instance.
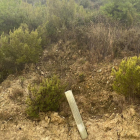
(18, 48)
(21, 46)
(127, 78)
(45, 97)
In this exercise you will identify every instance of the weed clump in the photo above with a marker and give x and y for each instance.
(16, 94)
(5, 115)
(45, 97)
(127, 78)
(81, 77)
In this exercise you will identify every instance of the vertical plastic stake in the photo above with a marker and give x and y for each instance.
(76, 114)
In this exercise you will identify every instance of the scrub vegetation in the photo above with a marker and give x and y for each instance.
(127, 78)
(104, 29)
(45, 97)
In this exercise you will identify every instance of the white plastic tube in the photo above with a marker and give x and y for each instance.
(76, 114)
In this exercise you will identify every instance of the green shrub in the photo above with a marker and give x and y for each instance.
(64, 15)
(15, 12)
(9, 15)
(122, 11)
(18, 48)
(55, 16)
(127, 78)
(45, 97)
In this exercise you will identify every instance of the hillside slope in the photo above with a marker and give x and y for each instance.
(106, 114)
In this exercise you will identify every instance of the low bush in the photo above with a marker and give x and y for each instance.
(45, 97)
(127, 78)
(19, 47)
(96, 39)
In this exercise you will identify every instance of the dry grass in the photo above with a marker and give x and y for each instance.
(87, 66)
(96, 40)
(81, 77)
(107, 42)
(37, 79)
(6, 84)
(5, 115)
(81, 61)
(16, 94)
(127, 40)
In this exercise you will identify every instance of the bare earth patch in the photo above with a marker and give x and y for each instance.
(106, 115)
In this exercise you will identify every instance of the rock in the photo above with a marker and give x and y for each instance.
(42, 72)
(47, 138)
(106, 115)
(110, 124)
(132, 112)
(45, 52)
(55, 118)
(47, 119)
(112, 116)
(81, 111)
(110, 77)
(99, 70)
(130, 133)
(43, 123)
(2, 127)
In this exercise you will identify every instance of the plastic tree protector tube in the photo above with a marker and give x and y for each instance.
(76, 114)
